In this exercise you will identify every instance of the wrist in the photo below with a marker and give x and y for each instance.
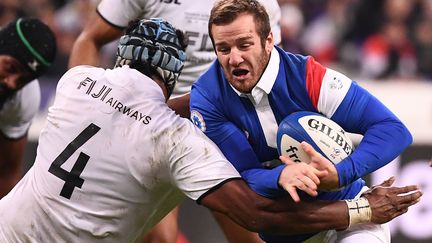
(359, 211)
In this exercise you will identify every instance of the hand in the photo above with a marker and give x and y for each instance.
(299, 176)
(318, 161)
(387, 203)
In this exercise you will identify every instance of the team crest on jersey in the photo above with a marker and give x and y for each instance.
(198, 120)
(336, 83)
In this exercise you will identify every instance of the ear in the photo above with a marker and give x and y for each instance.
(269, 43)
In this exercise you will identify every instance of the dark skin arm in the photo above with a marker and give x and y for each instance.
(284, 216)
(87, 47)
(11, 157)
(180, 105)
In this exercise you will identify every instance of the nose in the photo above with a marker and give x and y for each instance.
(235, 57)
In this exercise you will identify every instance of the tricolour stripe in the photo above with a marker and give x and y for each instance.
(334, 88)
(314, 77)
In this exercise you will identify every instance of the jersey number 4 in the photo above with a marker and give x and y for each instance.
(72, 178)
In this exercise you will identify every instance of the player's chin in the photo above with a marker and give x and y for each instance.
(243, 84)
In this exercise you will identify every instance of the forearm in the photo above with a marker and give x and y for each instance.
(303, 217)
(83, 52)
(264, 181)
(282, 216)
(180, 105)
(385, 136)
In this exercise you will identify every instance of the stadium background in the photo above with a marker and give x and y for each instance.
(385, 45)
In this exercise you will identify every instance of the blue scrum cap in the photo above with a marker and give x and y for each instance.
(157, 43)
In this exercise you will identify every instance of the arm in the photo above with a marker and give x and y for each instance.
(385, 136)
(237, 149)
(235, 199)
(11, 156)
(96, 33)
(180, 105)
(269, 182)
(356, 111)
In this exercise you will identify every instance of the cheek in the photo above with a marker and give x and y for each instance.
(224, 62)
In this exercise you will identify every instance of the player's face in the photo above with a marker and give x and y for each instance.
(241, 53)
(13, 75)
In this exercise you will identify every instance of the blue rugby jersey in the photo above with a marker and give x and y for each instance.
(244, 126)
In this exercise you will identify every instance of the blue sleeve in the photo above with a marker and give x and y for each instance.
(233, 143)
(263, 181)
(384, 135)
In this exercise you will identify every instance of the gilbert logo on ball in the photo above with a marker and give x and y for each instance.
(326, 136)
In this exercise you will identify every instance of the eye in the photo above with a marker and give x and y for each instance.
(245, 45)
(223, 49)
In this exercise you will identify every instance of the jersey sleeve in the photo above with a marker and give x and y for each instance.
(233, 144)
(385, 136)
(119, 13)
(19, 112)
(197, 165)
(356, 111)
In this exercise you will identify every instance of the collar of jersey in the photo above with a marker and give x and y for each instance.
(266, 81)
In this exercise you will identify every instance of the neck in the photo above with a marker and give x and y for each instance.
(161, 84)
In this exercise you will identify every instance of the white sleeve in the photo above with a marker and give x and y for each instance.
(120, 12)
(17, 113)
(274, 12)
(197, 165)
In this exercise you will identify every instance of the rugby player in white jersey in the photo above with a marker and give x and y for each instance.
(27, 49)
(108, 23)
(113, 160)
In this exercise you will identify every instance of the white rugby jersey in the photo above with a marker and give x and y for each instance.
(191, 16)
(112, 160)
(18, 111)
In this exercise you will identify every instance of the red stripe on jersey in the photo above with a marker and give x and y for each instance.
(314, 77)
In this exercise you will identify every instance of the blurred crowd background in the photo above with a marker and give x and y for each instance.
(374, 40)
(386, 43)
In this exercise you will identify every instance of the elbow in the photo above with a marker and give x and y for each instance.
(406, 136)
(409, 138)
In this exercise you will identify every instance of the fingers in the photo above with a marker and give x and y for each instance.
(286, 160)
(302, 183)
(410, 199)
(388, 182)
(307, 185)
(293, 193)
(308, 149)
(405, 189)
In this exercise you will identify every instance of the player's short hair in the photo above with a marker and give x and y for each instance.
(31, 42)
(226, 11)
(153, 46)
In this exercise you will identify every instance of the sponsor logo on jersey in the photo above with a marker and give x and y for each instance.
(103, 95)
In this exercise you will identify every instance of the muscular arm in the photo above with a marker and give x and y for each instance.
(11, 156)
(235, 199)
(96, 33)
(180, 105)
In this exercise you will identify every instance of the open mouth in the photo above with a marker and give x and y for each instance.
(240, 72)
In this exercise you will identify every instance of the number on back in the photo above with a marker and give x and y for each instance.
(72, 178)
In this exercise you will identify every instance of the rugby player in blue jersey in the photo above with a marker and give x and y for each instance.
(253, 85)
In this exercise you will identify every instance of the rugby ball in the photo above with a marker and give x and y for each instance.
(325, 135)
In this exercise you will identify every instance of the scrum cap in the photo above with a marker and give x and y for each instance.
(156, 43)
(31, 42)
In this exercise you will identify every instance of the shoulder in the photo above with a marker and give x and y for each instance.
(29, 100)
(119, 13)
(210, 78)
